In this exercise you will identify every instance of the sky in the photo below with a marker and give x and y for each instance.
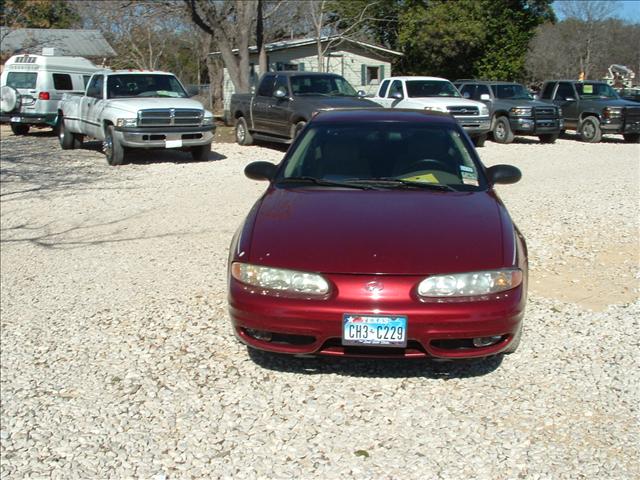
(628, 10)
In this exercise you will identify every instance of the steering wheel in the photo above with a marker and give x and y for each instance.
(428, 164)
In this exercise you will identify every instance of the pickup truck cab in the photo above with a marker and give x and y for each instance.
(513, 110)
(135, 109)
(285, 101)
(436, 94)
(593, 108)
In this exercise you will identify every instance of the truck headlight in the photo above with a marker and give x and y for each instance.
(559, 112)
(612, 112)
(484, 111)
(280, 279)
(206, 121)
(127, 122)
(437, 108)
(470, 284)
(521, 111)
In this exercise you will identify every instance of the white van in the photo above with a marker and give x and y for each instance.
(32, 85)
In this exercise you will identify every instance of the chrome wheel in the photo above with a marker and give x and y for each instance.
(500, 132)
(241, 134)
(107, 146)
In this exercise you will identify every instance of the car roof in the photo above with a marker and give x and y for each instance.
(573, 80)
(293, 73)
(489, 82)
(405, 78)
(348, 115)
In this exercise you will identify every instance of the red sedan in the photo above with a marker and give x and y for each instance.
(379, 235)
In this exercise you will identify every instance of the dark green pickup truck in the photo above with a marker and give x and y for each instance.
(593, 109)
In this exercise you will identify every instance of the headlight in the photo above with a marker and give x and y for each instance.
(470, 284)
(521, 111)
(484, 111)
(437, 108)
(279, 279)
(207, 121)
(612, 112)
(127, 122)
(559, 112)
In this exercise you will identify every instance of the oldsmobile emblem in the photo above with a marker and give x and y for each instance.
(374, 287)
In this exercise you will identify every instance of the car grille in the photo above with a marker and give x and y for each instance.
(632, 115)
(545, 113)
(463, 111)
(163, 117)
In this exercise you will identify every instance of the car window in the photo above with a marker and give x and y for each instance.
(144, 85)
(548, 90)
(281, 83)
(85, 80)
(482, 90)
(22, 80)
(265, 88)
(595, 90)
(514, 91)
(431, 88)
(565, 90)
(396, 87)
(383, 88)
(397, 151)
(323, 85)
(95, 86)
(62, 81)
(468, 91)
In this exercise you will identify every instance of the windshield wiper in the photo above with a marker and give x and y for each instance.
(324, 183)
(399, 182)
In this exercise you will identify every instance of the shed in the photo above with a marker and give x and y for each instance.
(363, 64)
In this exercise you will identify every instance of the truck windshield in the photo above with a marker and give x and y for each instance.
(595, 90)
(22, 80)
(325, 85)
(144, 85)
(513, 92)
(431, 88)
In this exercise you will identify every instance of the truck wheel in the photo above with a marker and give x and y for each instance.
(632, 137)
(479, 140)
(298, 128)
(201, 152)
(502, 130)
(590, 131)
(548, 138)
(113, 150)
(243, 136)
(68, 140)
(19, 128)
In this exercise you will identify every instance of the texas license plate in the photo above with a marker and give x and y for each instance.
(16, 119)
(173, 143)
(376, 330)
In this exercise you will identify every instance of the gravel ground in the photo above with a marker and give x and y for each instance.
(118, 360)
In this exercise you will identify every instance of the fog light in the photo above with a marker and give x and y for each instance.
(486, 341)
(259, 334)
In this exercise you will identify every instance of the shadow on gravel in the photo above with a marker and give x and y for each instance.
(354, 367)
(148, 157)
(605, 139)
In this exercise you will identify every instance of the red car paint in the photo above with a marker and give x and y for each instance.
(394, 238)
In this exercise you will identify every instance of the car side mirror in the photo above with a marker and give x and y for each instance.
(485, 97)
(280, 93)
(569, 99)
(397, 96)
(361, 93)
(504, 174)
(261, 170)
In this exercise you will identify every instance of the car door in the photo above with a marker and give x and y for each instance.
(280, 108)
(262, 103)
(391, 100)
(91, 106)
(380, 97)
(566, 98)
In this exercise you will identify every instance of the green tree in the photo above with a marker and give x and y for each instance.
(38, 14)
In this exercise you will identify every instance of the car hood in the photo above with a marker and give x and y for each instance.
(521, 102)
(446, 102)
(404, 232)
(320, 102)
(132, 105)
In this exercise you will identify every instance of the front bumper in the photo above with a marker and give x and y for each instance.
(29, 118)
(533, 126)
(165, 138)
(436, 330)
(475, 126)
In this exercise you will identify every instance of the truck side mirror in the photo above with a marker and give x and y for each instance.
(361, 93)
(280, 93)
(485, 97)
(397, 95)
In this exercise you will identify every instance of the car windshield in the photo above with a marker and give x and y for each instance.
(383, 155)
(144, 85)
(514, 92)
(595, 90)
(22, 80)
(325, 85)
(431, 88)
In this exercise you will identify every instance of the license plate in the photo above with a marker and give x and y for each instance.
(377, 330)
(16, 119)
(173, 143)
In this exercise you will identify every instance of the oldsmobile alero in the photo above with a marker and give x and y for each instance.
(380, 235)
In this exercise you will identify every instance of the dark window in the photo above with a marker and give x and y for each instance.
(266, 86)
(22, 80)
(383, 88)
(482, 89)
(321, 85)
(548, 90)
(144, 85)
(95, 87)
(431, 88)
(282, 83)
(62, 81)
(396, 87)
(280, 66)
(468, 91)
(565, 90)
(373, 75)
(85, 79)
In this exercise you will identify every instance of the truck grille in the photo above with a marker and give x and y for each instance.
(632, 115)
(162, 117)
(545, 112)
(463, 111)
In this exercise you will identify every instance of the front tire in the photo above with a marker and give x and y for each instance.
(502, 132)
(113, 150)
(590, 130)
(479, 140)
(548, 138)
(631, 137)
(201, 152)
(19, 129)
(68, 140)
(243, 136)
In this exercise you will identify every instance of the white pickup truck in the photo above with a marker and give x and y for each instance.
(135, 109)
(434, 93)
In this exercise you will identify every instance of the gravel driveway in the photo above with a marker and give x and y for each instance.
(118, 359)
